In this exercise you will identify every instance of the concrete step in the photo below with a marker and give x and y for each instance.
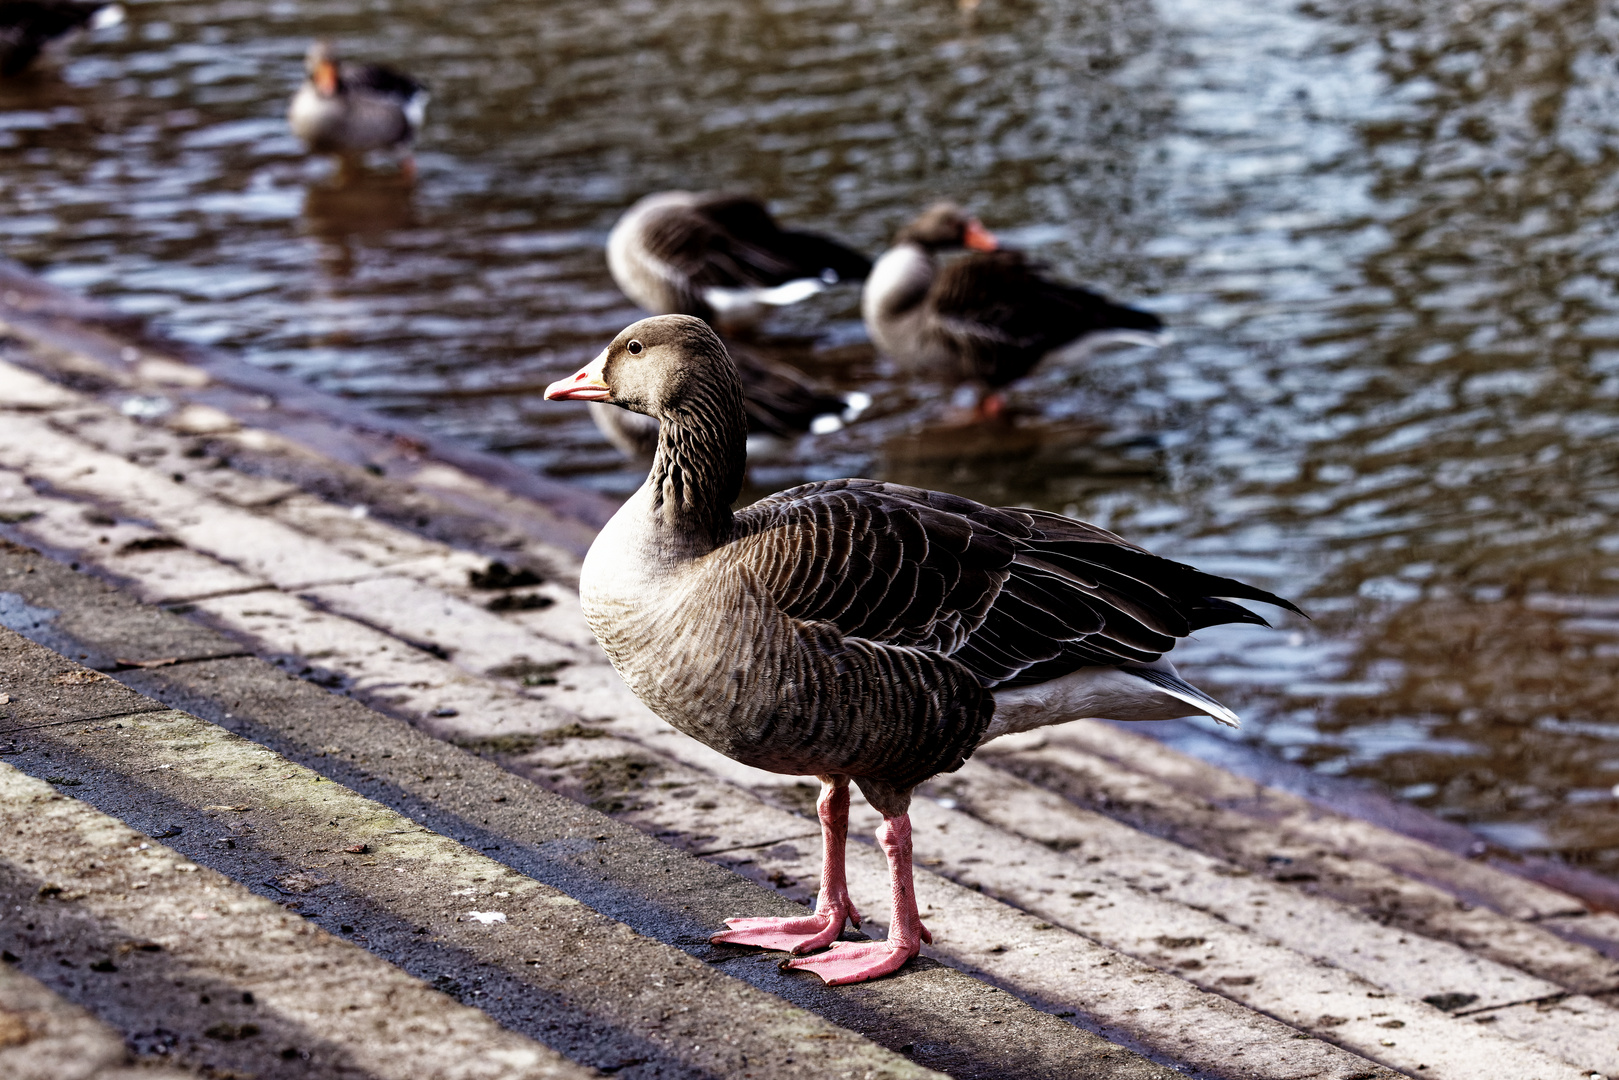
(1315, 853)
(189, 966)
(43, 1036)
(1304, 822)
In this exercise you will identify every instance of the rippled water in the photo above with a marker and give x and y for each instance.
(1382, 233)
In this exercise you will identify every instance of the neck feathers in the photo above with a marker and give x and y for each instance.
(702, 454)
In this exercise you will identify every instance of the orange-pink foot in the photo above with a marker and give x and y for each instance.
(797, 936)
(852, 962)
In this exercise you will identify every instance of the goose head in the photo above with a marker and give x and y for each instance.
(320, 63)
(944, 226)
(668, 366)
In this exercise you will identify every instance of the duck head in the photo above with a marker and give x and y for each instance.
(320, 63)
(944, 226)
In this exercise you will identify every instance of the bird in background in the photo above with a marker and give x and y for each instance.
(861, 631)
(28, 26)
(984, 319)
(721, 257)
(347, 109)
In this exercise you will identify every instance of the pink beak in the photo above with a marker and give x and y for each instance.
(979, 238)
(586, 385)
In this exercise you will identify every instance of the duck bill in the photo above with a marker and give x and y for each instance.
(979, 238)
(325, 78)
(585, 385)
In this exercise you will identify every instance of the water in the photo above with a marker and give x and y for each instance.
(1381, 233)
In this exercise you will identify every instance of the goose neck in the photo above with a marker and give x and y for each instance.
(697, 472)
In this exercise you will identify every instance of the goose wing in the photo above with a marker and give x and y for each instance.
(1016, 596)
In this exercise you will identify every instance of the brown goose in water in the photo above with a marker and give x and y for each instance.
(857, 630)
(27, 26)
(345, 108)
(720, 257)
(988, 317)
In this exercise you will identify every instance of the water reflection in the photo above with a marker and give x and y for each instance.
(354, 209)
(1379, 232)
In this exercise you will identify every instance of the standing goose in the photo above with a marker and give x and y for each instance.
(988, 317)
(857, 630)
(346, 109)
(720, 257)
(27, 26)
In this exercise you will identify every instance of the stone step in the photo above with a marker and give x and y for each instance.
(1470, 880)
(1370, 986)
(189, 966)
(1309, 857)
(43, 1036)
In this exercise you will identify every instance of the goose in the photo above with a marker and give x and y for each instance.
(27, 26)
(987, 318)
(720, 256)
(779, 399)
(345, 108)
(861, 631)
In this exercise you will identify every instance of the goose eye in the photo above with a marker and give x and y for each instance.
(634, 347)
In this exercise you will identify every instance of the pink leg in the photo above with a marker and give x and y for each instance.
(852, 962)
(832, 909)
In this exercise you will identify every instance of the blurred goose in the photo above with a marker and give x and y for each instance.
(780, 400)
(347, 109)
(720, 257)
(859, 630)
(986, 318)
(27, 26)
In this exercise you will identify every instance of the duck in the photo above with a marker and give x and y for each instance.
(347, 109)
(987, 318)
(27, 26)
(720, 256)
(780, 400)
(860, 631)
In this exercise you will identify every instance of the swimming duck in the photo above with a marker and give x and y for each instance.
(857, 630)
(345, 108)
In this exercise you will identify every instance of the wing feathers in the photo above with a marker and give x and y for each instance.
(1016, 596)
